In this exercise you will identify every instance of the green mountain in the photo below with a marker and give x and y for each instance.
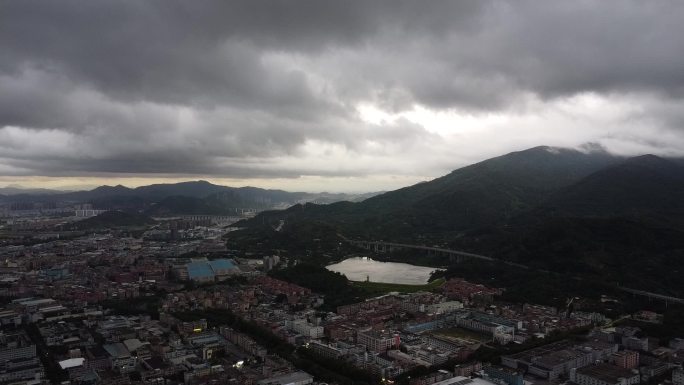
(590, 215)
(197, 189)
(490, 191)
(486, 193)
(642, 186)
(112, 219)
(182, 205)
(623, 224)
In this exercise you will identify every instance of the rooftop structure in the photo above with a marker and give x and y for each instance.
(604, 374)
(199, 271)
(294, 378)
(464, 381)
(117, 350)
(556, 359)
(209, 270)
(221, 264)
(16, 344)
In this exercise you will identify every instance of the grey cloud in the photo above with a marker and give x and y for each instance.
(210, 51)
(549, 49)
(180, 52)
(225, 87)
(598, 46)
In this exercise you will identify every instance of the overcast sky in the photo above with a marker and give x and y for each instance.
(327, 95)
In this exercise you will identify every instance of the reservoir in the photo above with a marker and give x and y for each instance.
(358, 268)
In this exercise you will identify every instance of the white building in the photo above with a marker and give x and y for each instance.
(304, 328)
(445, 307)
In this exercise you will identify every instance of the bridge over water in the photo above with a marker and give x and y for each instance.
(218, 219)
(458, 256)
(660, 297)
(454, 255)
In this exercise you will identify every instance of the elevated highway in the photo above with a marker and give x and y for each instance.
(456, 256)
(660, 297)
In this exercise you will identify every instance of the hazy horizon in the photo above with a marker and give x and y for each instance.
(66, 183)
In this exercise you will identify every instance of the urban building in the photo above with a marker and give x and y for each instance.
(377, 341)
(604, 374)
(678, 376)
(18, 359)
(209, 271)
(555, 360)
(294, 378)
(627, 359)
(503, 376)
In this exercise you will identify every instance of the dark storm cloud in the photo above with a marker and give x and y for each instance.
(227, 87)
(201, 53)
(598, 46)
(549, 49)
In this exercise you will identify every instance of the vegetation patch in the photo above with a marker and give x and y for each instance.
(379, 288)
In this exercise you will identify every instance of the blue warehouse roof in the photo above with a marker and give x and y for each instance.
(199, 269)
(221, 264)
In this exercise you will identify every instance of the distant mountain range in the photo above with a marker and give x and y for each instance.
(19, 190)
(589, 213)
(196, 197)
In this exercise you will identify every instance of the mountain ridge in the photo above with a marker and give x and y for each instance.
(642, 185)
(611, 219)
(156, 197)
(483, 193)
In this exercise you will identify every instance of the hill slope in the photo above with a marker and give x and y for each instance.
(644, 185)
(485, 193)
(623, 224)
(112, 219)
(588, 215)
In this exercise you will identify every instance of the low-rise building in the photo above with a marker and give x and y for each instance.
(555, 360)
(501, 329)
(121, 358)
(294, 378)
(604, 374)
(326, 350)
(627, 359)
(18, 359)
(377, 341)
(504, 376)
(678, 376)
(14, 345)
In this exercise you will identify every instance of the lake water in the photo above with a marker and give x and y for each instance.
(358, 268)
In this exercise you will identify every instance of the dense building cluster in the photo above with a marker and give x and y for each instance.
(173, 305)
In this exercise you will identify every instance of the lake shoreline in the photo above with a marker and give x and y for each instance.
(367, 269)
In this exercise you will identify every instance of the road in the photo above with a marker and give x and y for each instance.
(383, 246)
